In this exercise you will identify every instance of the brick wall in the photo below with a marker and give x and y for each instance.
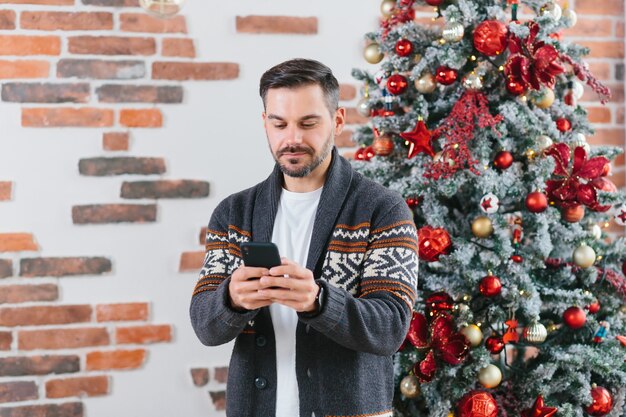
(120, 133)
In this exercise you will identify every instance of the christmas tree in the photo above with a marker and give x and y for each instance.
(521, 307)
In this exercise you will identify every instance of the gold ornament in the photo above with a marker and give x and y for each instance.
(535, 333)
(383, 145)
(426, 84)
(453, 32)
(373, 54)
(490, 376)
(363, 107)
(410, 386)
(451, 414)
(386, 7)
(472, 82)
(544, 142)
(482, 227)
(473, 334)
(162, 8)
(546, 99)
(584, 256)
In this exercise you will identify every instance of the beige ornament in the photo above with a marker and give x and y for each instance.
(410, 386)
(584, 256)
(473, 333)
(490, 376)
(426, 84)
(373, 53)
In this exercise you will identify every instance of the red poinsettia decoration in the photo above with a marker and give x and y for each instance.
(442, 341)
(532, 62)
(580, 185)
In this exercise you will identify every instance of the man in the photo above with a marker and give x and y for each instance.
(314, 336)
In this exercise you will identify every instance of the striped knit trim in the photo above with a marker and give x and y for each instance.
(240, 231)
(377, 282)
(358, 226)
(395, 291)
(394, 225)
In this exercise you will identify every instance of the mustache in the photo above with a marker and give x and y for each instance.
(295, 149)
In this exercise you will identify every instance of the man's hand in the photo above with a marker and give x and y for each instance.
(244, 288)
(298, 290)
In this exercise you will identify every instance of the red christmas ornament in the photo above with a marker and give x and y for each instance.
(438, 302)
(503, 160)
(602, 402)
(574, 317)
(570, 99)
(563, 125)
(573, 214)
(477, 404)
(539, 410)
(436, 3)
(515, 87)
(490, 286)
(397, 84)
(369, 152)
(412, 202)
(433, 242)
(536, 202)
(517, 259)
(446, 75)
(364, 154)
(511, 335)
(490, 37)
(494, 344)
(419, 140)
(594, 307)
(404, 47)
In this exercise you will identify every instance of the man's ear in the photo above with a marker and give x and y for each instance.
(340, 120)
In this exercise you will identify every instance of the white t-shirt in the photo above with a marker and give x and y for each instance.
(292, 232)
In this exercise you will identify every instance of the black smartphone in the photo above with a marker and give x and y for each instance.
(260, 254)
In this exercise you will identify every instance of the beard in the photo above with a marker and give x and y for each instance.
(317, 159)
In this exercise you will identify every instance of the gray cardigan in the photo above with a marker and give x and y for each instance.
(363, 252)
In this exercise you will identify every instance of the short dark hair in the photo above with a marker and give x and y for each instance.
(301, 72)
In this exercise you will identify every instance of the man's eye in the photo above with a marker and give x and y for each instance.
(279, 126)
(308, 125)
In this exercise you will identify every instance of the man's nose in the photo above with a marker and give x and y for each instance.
(295, 136)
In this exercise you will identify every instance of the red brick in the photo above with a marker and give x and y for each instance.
(6, 268)
(62, 338)
(117, 359)
(6, 188)
(45, 410)
(39, 365)
(601, 69)
(7, 19)
(13, 294)
(142, 22)
(617, 94)
(126, 93)
(179, 47)
(143, 334)
(141, 118)
(46, 2)
(122, 165)
(604, 49)
(619, 30)
(599, 114)
(620, 116)
(200, 376)
(221, 374)
(347, 92)
(277, 24)
(66, 20)
(111, 45)
(184, 71)
(67, 117)
(345, 140)
(45, 93)
(614, 137)
(100, 69)
(114, 213)
(18, 391)
(33, 316)
(17, 242)
(605, 7)
(112, 3)
(165, 189)
(619, 160)
(122, 312)
(353, 117)
(87, 386)
(191, 261)
(587, 27)
(61, 267)
(218, 398)
(29, 45)
(6, 338)
(115, 141)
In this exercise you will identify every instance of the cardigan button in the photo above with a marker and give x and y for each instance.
(261, 341)
(260, 382)
(309, 373)
(307, 328)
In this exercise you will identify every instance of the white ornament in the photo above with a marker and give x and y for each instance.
(453, 32)
(162, 8)
(578, 89)
(544, 142)
(473, 334)
(580, 140)
(553, 10)
(620, 216)
(490, 203)
(570, 17)
(595, 230)
(490, 376)
(584, 256)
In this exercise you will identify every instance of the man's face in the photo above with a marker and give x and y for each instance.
(300, 129)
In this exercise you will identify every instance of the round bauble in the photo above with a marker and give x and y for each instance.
(477, 404)
(473, 334)
(594, 307)
(426, 84)
(570, 17)
(574, 317)
(546, 99)
(536, 202)
(490, 203)
(535, 332)
(584, 256)
(373, 53)
(515, 87)
(503, 160)
(482, 227)
(437, 302)
(472, 82)
(412, 202)
(446, 75)
(490, 376)
(397, 84)
(383, 145)
(595, 230)
(620, 215)
(386, 7)
(579, 140)
(363, 107)
(410, 386)
(544, 142)
(602, 402)
(404, 47)
(490, 37)
(573, 214)
(453, 32)
(578, 89)
(433, 243)
(564, 125)
(490, 286)
(495, 344)
(553, 10)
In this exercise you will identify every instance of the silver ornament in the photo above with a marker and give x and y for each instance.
(453, 32)
(363, 107)
(570, 17)
(544, 142)
(553, 10)
(535, 333)
(472, 82)
(578, 89)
